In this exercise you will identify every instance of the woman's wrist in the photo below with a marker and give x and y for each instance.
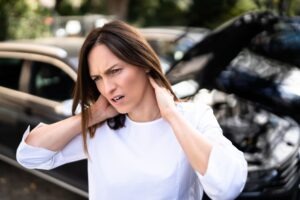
(95, 117)
(170, 114)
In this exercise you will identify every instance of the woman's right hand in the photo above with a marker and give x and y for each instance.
(55, 136)
(101, 110)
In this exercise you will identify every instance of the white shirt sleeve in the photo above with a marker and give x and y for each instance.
(40, 158)
(227, 170)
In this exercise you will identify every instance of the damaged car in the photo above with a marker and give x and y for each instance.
(255, 96)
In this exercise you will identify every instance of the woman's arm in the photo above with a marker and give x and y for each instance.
(49, 146)
(55, 136)
(221, 168)
(196, 147)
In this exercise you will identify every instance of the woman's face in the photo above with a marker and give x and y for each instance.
(125, 86)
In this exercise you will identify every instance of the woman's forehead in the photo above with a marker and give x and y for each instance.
(101, 56)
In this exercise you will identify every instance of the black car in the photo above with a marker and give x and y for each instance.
(255, 96)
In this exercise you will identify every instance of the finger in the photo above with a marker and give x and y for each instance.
(153, 83)
(100, 98)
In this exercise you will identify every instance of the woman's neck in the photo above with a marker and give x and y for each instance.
(148, 110)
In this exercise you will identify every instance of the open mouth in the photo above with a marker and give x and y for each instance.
(117, 98)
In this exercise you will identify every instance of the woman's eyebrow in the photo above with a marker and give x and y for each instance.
(106, 71)
(110, 68)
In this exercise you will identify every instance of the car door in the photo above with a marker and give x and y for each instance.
(49, 87)
(36, 88)
(10, 108)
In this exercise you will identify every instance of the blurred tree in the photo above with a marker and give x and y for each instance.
(96, 6)
(282, 7)
(212, 13)
(209, 13)
(4, 8)
(119, 8)
(158, 12)
(69, 7)
(19, 19)
(295, 8)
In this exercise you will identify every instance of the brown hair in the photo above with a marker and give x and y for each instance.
(127, 44)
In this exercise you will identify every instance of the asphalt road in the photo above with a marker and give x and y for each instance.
(16, 184)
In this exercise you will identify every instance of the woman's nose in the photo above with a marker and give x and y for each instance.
(108, 86)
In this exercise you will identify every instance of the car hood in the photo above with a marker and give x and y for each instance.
(226, 60)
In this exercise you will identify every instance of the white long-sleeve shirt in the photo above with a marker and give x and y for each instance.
(145, 161)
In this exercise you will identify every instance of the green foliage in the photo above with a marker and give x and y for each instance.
(207, 13)
(157, 12)
(237, 9)
(66, 7)
(21, 20)
(215, 12)
(295, 8)
(282, 7)
(94, 7)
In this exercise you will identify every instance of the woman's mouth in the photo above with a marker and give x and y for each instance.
(116, 99)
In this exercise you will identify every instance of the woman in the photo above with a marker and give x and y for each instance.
(141, 142)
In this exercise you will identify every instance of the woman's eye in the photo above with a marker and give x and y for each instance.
(95, 79)
(114, 71)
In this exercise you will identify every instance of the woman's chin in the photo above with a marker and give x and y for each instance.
(121, 111)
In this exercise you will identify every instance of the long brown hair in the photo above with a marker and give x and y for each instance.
(127, 44)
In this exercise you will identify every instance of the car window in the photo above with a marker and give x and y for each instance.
(10, 70)
(169, 49)
(164, 48)
(51, 82)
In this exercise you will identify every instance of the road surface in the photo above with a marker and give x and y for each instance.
(16, 184)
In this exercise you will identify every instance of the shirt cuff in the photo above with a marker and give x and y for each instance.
(30, 156)
(226, 173)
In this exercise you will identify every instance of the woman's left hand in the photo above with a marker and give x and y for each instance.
(165, 100)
